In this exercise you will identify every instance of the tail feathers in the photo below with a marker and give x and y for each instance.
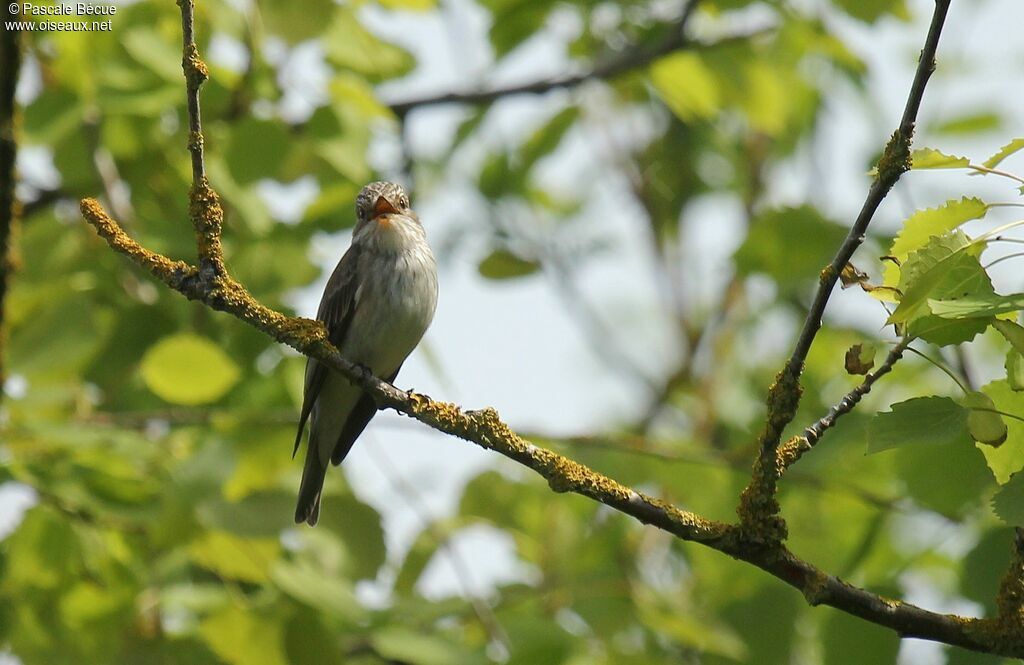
(308, 508)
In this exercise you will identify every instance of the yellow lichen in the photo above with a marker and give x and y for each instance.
(895, 159)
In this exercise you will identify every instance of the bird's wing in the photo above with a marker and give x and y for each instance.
(357, 421)
(336, 310)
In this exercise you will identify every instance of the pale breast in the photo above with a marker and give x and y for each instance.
(395, 305)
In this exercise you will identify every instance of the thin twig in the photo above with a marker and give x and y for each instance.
(10, 65)
(630, 60)
(794, 449)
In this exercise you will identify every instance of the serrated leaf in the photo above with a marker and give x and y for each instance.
(944, 269)
(929, 158)
(1013, 146)
(979, 306)
(503, 264)
(1008, 501)
(919, 421)
(984, 424)
(945, 332)
(924, 224)
(188, 369)
(1013, 333)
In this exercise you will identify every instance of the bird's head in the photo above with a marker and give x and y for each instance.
(378, 201)
(384, 219)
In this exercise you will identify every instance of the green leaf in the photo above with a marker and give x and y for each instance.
(944, 332)
(929, 421)
(1015, 369)
(515, 21)
(256, 149)
(1009, 457)
(977, 306)
(870, 11)
(791, 245)
(924, 224)
(150, 48)
(944, 269)
(358, 526)
(409, 5)
(1013, 146)
(293, 21)
(546, 138)
(503, 264)
(687, 86)
(1013, 333)
(849, 640)
(245, 559)
(984, 567)
(973, 123)
(258, 514)
(929, 158)
(314, 587)
(1008, 502)
(188, 369)
(352, 47)
(242, 637)
(984, 424)
(399, 643)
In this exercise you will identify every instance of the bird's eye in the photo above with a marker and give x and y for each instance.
(404, 201)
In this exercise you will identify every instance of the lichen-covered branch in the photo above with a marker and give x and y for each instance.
(10, 68)
(204, 205)
(759, 510)
(210, 284)
(483, 427)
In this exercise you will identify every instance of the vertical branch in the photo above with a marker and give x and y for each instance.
(10, 66)
(204, 204)
(758, 506)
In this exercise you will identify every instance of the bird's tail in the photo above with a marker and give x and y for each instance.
(308, 508)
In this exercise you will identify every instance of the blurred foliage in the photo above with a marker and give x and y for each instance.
(155, 433)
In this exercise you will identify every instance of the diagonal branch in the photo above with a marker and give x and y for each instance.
(210, 284)
(759, 509)
(632, 59)
(485, 429)
(10, 65)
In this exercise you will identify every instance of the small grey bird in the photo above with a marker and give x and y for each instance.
(376, 306)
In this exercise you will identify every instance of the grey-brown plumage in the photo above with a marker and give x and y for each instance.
(376, 306)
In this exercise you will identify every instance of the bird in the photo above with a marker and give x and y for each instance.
(377, 305)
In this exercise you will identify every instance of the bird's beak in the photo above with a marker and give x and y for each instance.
(383, 207)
